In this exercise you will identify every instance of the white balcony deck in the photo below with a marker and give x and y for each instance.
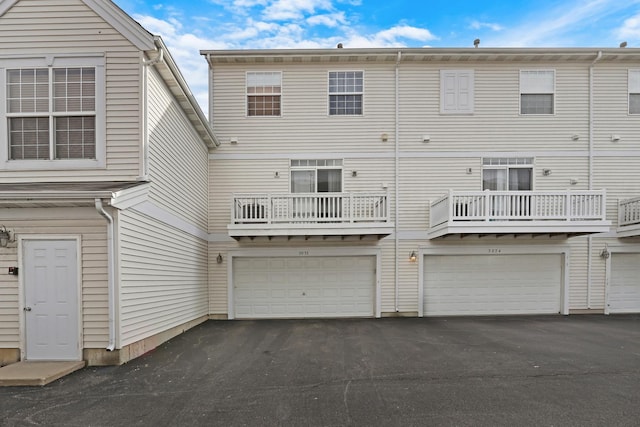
(629, 217)
(310, 214)
(563, 213)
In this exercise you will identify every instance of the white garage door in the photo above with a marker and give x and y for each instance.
(299, 287)
(492, 284)
(624, 286)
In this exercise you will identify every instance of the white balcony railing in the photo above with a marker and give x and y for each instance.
(485, 206)
(629, 212)
(309, 208)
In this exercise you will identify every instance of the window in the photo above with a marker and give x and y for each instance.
(456, 91)
(507, 174)
(537, 88)
(264, 90)
(345, 93)
(316, 176)
(51, 113)
(634, 91)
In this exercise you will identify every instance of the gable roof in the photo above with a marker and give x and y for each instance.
(154, 47)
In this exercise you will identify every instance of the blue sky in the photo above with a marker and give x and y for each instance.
(187, 26)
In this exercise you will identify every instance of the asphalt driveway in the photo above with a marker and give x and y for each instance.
(553, 371)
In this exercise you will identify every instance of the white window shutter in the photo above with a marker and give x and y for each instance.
(634, 81)
(456, 91)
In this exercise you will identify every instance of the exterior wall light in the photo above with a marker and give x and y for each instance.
(412, 256)
(219, 258)
(546, 172)
(615, 138)
(5, 236)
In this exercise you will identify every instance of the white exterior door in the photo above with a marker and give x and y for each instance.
(492, 284)
(304, 287)
(51, 300)
(624, 285)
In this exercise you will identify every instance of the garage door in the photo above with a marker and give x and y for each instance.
(624, 286)
(492, 284)
(299, 287)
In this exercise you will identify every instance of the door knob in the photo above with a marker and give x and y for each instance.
(27, 309)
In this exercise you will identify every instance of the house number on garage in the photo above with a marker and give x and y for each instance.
(495, 251)
(303, 253)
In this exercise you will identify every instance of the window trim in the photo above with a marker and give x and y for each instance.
(520, 92)
(470, 72)
(629, 92)
(531, 164)
(96, 61)
(246, 94)
(345, 93)
(315, 168)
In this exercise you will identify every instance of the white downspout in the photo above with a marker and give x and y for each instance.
(589, 238)
(397, 185)
(111, 272)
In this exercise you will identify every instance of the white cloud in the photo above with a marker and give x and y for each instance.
(565, 24)
(630, 28)
(477, 25)
(330, 20)
(394, 34)
(282, 10)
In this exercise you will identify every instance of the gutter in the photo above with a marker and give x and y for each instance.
(111, 273)
(397, 184)
(184, 88)
(590, 238)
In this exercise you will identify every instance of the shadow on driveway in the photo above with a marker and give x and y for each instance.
(564, 371)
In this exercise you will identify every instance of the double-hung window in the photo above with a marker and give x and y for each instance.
(634, 91)
(52, 114)
(456, 91)
(264, 92)
(537, 90)
(346, 90)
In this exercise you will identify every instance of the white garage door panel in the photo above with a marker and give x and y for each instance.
(624, 288)
(299, 287)
(492, 284)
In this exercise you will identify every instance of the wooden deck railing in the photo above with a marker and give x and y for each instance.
(518, 206)
(296, 208)
(629, 212)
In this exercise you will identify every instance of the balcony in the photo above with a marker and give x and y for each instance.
(629, 217)
(323, 215)
(497, 213)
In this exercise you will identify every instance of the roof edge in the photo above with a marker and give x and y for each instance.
(5, 5)
(121, 21)
(211, 140)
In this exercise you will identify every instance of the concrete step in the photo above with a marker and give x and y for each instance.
(40, 373)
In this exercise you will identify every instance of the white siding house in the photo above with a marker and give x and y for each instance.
(104, 191)
(452, 181)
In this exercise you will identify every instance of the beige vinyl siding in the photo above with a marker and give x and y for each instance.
(91, 228)
(9, 285)
(621, 177)
(611, 108)
(163, 277)
(49, 27)
(178, 159)
(229, 177)
(305, 124)
(496, 123)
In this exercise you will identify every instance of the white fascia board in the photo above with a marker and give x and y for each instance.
(129, 197)
(126, 25)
